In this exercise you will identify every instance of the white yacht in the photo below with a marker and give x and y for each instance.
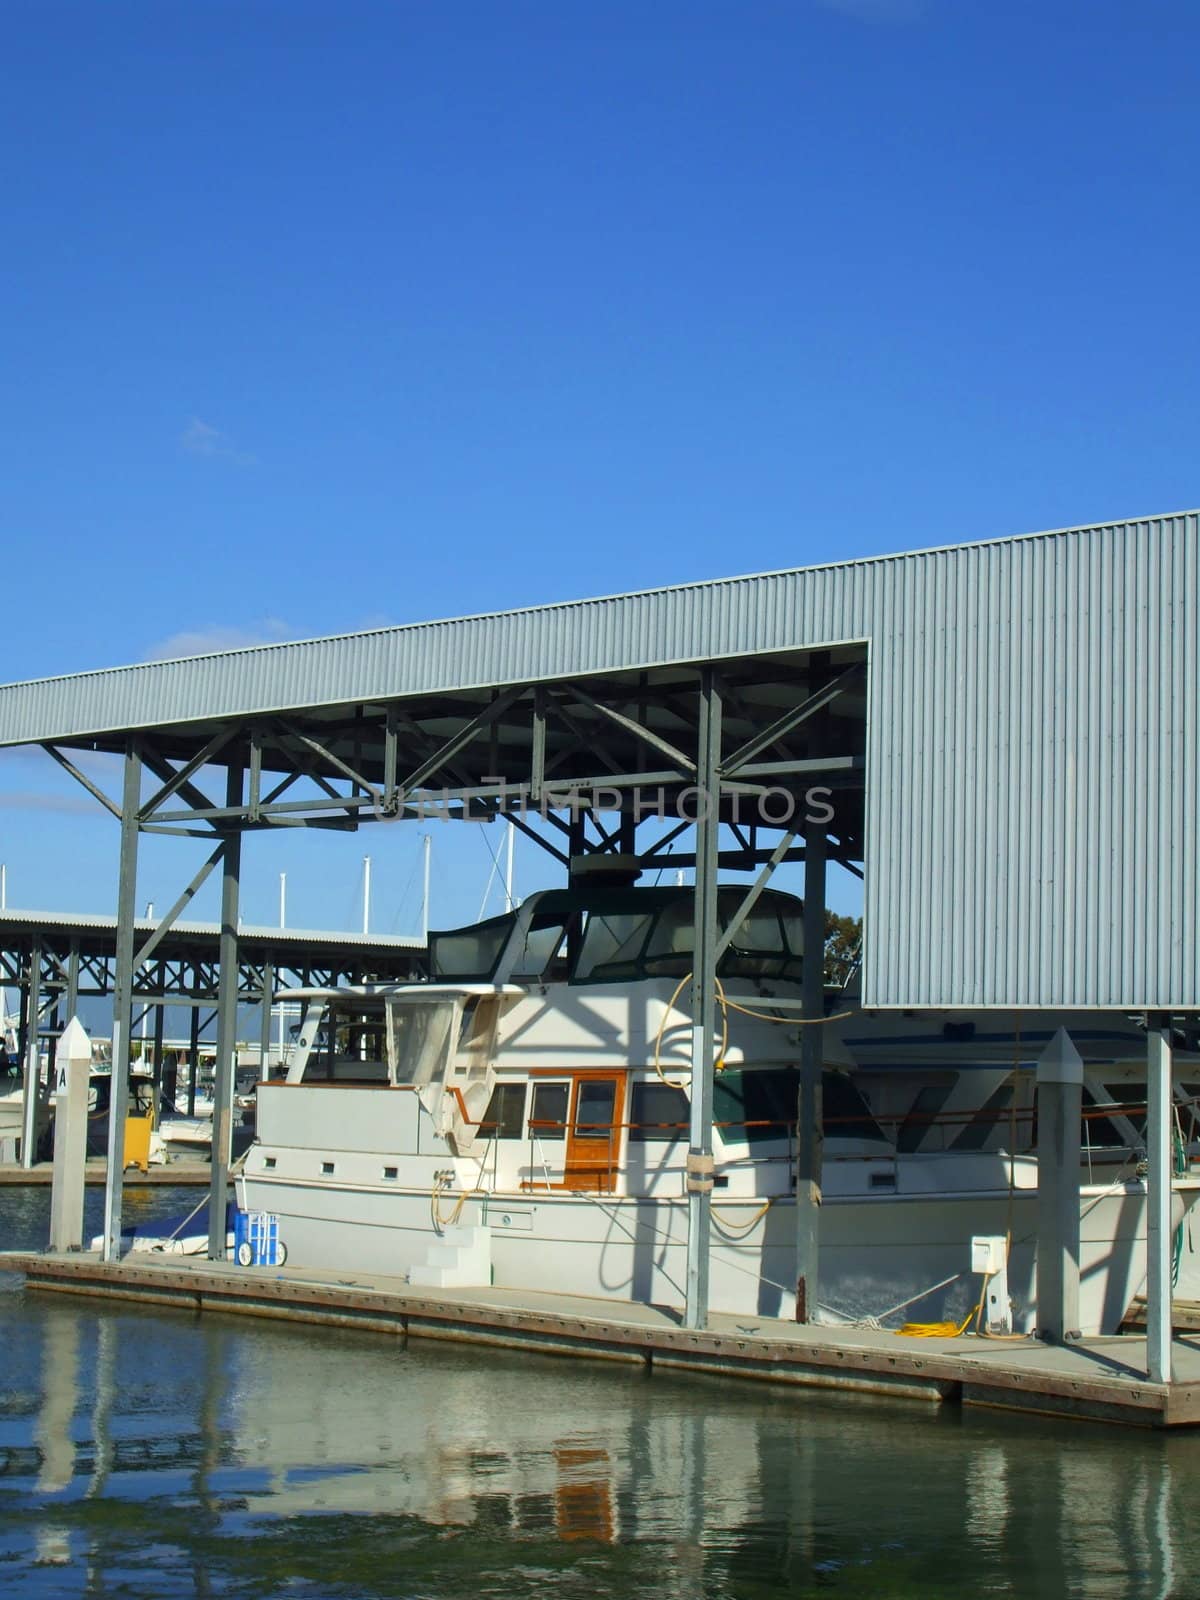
(522, 1119)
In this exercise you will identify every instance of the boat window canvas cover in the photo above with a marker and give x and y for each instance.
(613, 941)
(470, 954)
(656, 939)
(418, 1034)
(540, 947)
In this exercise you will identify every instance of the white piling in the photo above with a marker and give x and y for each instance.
(1158, 1201)
(1060, 1106)
(73, 1067)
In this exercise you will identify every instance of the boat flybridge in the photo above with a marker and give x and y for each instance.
(522, 1119)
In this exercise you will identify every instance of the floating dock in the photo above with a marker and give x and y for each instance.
(181, 1175)
(1097, 1380)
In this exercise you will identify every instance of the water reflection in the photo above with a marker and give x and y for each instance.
(160, 1454)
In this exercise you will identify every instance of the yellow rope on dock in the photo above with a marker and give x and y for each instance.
(940, 1330)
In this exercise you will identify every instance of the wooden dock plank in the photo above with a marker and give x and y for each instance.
(174, 1174)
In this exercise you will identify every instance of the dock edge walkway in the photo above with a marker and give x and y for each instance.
(1098, 1380)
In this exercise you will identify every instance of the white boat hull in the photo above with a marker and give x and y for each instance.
(875, 1252)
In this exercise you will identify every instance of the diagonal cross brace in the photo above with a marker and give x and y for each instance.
(185, 899)
(792, 719)
(186, 772)
(92, 789)
(446, 753)
(326, 754)
(163, 770)
(752, 894)
(630, 725)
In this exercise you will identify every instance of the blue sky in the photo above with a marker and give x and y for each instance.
(317, 316)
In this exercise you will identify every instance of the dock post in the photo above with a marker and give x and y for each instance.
(264, 1029)
(810, 1136)
(118, 1105)
(704, 1003)
(1158, 1199)
(159, 1028)
(1059, 1110)
(194, 1041)
(73, 1070)
(33, 1060)
(227, 1002)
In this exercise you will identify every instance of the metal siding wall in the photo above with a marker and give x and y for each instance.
(1032, 745)
(1033, 791)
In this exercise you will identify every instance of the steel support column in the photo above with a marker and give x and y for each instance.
(810, 1138)
(159, 1024)
(193, 1050)
(704, 1001)
(118, 1104)
(1158, 1200)
(227, 1003)
(32, 1059)
(72, 982)
(264, 1029)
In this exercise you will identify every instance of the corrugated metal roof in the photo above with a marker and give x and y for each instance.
(86, 922)
(1032, 751)
(827, 604)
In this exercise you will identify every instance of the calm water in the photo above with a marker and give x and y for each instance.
(153, 1454)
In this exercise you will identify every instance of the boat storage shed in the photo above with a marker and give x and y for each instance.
(1016, 762)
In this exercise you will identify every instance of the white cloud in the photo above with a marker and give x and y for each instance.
(210, 638)
(202, 439)
(899, 11)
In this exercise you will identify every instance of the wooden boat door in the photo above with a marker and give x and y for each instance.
(594, 1131)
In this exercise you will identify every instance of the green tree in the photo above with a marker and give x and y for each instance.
(843, 944)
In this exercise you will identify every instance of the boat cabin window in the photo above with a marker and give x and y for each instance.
(548, 1110)
(987, 1120)
(1102, 1132)
(757, 1106)
(760, 1105)
(847, 1115)
(1189, 1111)
(920, 1116)
(594, 1108)
(658, 1111)
(505, 1114)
